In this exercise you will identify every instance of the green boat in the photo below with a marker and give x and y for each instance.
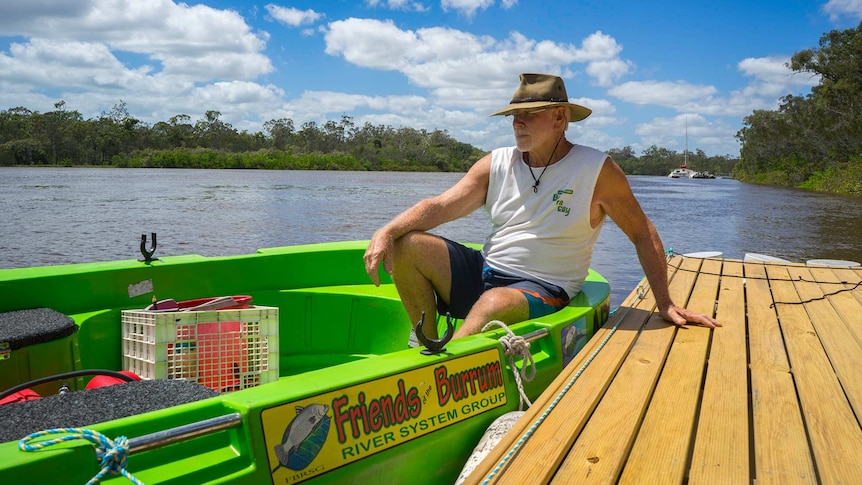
(309, 382)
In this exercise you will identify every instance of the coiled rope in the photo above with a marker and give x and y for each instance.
(113, 458)
(515, 346)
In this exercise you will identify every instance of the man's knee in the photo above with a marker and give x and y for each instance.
(418, 244)
(507, 304)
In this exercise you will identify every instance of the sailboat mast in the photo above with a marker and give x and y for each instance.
(685, 155)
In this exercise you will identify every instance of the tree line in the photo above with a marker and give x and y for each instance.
(64, 137)
(115, 138)
(812, 141)
(661, 161)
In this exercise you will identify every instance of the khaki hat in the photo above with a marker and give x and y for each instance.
(539, 90)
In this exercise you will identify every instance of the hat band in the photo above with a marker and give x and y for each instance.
(530, 100)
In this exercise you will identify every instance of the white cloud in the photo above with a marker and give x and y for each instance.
(775, 74)
(771, 80)
(467, 8)
(174, 35)
(465, 71)
(293, 16)
(449, 62)
(606, 72)
(670, 132)
(598, 47)
(161, 58)
(370, 43)
(407, 5)
(843, 8)
(604, 112)
(239, 95)
(601, 53)
(672, 94)
(82, 64)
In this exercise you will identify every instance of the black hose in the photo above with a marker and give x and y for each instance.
(65, 375)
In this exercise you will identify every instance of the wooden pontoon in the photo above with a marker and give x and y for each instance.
(772, 397)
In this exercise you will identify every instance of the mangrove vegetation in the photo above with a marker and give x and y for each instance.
(64, 137)
(812, 141)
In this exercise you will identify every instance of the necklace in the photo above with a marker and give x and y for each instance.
(537, 180)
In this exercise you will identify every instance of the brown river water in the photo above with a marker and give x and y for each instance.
(54, 216)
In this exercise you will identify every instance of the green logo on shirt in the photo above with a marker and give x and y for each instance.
(560, 203)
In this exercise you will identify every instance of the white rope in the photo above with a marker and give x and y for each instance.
(516, 346)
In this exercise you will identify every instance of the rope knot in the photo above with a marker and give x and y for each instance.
(114, 453)
(516, 346)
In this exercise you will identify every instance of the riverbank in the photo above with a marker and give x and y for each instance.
(844, 180)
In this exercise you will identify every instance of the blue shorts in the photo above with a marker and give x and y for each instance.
(471, 277)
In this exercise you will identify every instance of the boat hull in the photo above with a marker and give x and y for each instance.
(351, 403)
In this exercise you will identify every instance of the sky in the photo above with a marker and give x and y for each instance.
(653, 72)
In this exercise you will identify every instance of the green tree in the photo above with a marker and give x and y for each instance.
(280, 132)
(18, 143)
(213, 132)
(813, 134)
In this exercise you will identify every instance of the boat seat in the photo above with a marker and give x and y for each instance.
(90, 406)
(35, 343)
(350, 321)
(382, 291)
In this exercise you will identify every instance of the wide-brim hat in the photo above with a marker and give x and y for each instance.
(541, 90)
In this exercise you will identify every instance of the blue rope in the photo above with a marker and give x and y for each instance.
(113, 459)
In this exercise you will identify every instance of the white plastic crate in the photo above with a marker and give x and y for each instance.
(225, 350)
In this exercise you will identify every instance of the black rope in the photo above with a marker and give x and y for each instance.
(766, 278)
(792, 280)
(826, 295)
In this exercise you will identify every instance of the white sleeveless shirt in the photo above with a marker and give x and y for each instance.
(544, 235)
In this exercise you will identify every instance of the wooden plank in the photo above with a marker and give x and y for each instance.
(833, 432)
(620, 411)
(660, 452)
(602, 447)
(591, 384)
(851, 276)
(842, 347)
(847, 297)
(554, 437)
(848, 304)
(721, 448)
(548, 429)
(781, 452)
(601, 450)
(684, 271)
(857, 278)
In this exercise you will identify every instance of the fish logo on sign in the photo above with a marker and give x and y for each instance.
(573, 340)
(304, 437)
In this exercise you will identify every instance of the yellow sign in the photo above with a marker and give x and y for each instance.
(312, 436)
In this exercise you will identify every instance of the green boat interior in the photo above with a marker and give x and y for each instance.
(334, 329)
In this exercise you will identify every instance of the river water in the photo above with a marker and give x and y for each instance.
(73, 215)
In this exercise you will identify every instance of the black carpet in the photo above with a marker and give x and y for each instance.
(34, 326)
(87, 407)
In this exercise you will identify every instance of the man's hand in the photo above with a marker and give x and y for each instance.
(681, 316)
(379, 250)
